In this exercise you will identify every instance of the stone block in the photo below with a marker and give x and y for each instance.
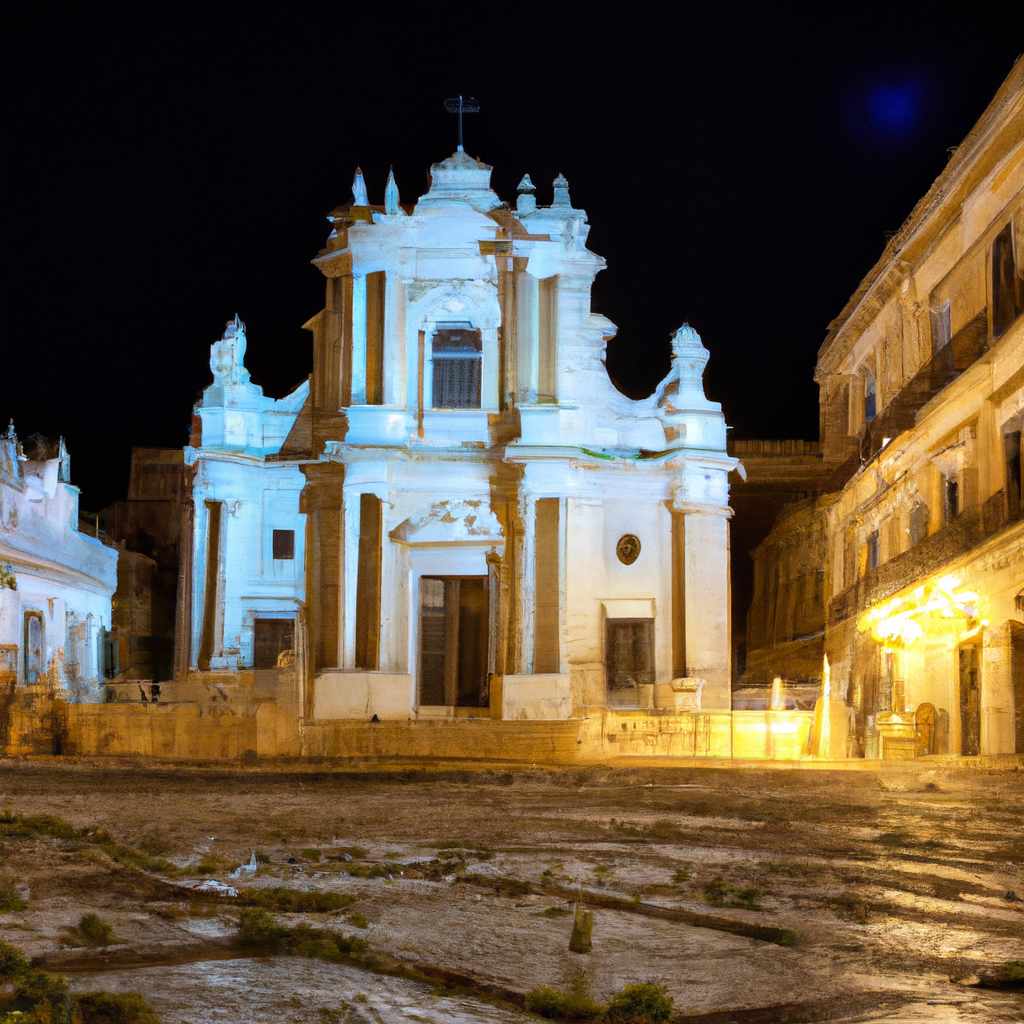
(361, 695)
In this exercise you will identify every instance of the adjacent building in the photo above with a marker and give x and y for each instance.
(911, 566)
(56, 582)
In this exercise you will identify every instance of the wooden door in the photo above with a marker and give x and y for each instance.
(970, 701)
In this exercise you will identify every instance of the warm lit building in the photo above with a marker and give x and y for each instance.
(922, 408)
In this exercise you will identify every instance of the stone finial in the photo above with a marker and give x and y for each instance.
(561, 187)
(227, 356)
(391, 197)
(359, 197)
(64, 462)
(11, 435)
(689, 357)
(526, 201)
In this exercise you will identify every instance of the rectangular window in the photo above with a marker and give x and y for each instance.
(1014, 475)
(873, 550)
(457, 357)
(870, 399)
(284, 544)
(951, 494)
(942, 327)
(1007, 284)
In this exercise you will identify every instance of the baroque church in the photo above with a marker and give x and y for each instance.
(458, 514)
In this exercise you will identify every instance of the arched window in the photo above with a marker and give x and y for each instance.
(457, 358)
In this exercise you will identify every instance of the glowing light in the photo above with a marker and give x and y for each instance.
(903, 621)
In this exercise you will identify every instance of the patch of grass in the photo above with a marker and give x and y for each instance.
(575, 1004)
(13, 963)
(644, 1003)
(357, 920)
(720, 893)
(370, 870)
(681, 875)
(210, 864)
(295, 901)
(355, 852)
(10, 900)
(603, 872)
(155, 843)
(258, 928)
(26, 826)
(115, 1008)
(92, 930)
(311, 853)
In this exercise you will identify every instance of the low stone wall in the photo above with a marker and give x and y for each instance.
(213, 732)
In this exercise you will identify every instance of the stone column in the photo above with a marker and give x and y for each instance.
(527, 336)
(997, 696)
(321, 502)
(350, 562)
(707, 601)
(526, 575)
(358, 339)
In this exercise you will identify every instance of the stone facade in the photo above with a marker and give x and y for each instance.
(56, 585)
(919, 546)
(487, 528)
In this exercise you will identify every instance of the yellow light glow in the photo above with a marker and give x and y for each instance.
(902, 621)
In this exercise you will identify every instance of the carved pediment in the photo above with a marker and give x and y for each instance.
(454, 521)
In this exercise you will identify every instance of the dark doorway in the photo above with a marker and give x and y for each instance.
(970, 700)
(628, 658)
(35, 661)
(453, 641)
(270, 638)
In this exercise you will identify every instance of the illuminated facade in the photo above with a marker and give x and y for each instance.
(486, 527)
(56, 582)
(921, 543)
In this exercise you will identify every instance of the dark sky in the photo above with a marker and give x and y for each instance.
(740, 170)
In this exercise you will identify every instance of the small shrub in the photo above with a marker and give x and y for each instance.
(720, 893)
(681, 875)
(258, 927)
(645, 1003)
(370, 870)
(210, 865)
(10, 901)
(115, 1008)
(555, 912)
(358, 920)
(311, 853)
(94, 931)
(155, 843)
(576, 1004)
(13, 963)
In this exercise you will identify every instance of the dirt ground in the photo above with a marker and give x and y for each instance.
(754, 895)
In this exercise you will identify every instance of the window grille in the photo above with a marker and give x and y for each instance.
(457, 355)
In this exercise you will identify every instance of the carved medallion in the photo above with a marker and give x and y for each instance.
(628, 548)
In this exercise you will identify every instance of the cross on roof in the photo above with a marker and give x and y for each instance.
(461, 105)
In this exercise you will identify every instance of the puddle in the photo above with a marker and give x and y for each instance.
(287, 990)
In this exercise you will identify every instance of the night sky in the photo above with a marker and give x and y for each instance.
(740, 171)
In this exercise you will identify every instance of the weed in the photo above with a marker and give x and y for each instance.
(115, 1008)
(645, 1003)
(370, 870)
(681, 875)
(92, 930)
(311, 853)
(358, 920)
(720, 893)
(348, 852)
(10, 898)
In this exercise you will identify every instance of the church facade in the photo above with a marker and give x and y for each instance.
(459, 515)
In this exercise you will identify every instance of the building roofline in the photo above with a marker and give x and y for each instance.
(998, 114)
